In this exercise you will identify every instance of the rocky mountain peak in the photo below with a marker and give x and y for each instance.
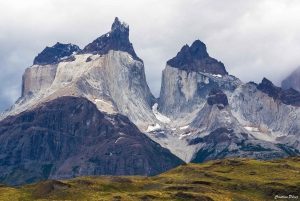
(188, 54)
(286, 96)
(217, 96)
(119, 25)
(196, 58)
(117, 39)
(56, 53)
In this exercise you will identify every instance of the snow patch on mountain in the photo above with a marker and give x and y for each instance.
(184, 127)
(152, 128)
(119, 139)
(217, 75)
(99, 100)
(184, 135)
(159, 116)
(252, 129)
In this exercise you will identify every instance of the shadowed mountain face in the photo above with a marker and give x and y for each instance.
(70, 137)
(292, 81)
(117, 39)
(196, 58)
(55, 54)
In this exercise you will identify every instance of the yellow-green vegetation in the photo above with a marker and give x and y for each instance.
(226, 179)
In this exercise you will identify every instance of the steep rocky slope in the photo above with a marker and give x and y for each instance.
(292, 81)
(69, 137)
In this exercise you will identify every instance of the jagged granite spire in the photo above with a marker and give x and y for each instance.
(55, 53)
(116, 39)
(196, 58)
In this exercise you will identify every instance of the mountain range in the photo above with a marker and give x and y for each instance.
(90, 111)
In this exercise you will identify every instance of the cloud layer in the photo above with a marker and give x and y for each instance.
(254, 39)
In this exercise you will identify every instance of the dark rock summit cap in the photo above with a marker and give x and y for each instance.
(196, 58)
(286, 96)
(55, 53)
(116, 39)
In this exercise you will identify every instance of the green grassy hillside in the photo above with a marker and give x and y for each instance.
(226, 179)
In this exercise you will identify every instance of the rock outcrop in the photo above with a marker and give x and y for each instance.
(216, 96)
(56, 53)
(292, 81)
(196, 58)
(70, 137)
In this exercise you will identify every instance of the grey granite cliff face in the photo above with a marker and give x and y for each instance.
(69, 137)
(38, 78)
(216, 96)
(292, 81)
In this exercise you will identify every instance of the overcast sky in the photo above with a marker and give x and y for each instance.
(254, 39)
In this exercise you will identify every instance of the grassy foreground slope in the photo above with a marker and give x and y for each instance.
(226, 179)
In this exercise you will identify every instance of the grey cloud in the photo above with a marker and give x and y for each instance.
(254, 39)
